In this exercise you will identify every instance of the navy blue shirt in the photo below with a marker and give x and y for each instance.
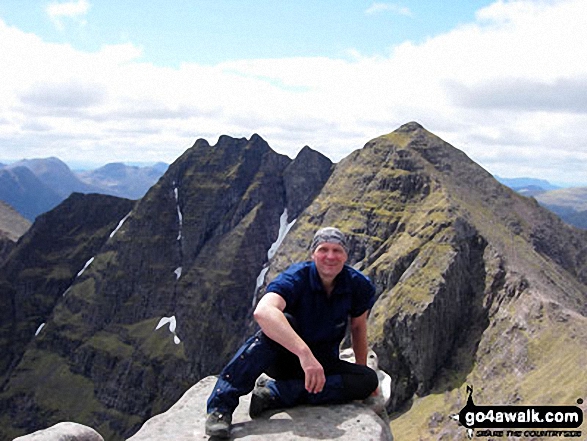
(321, 319)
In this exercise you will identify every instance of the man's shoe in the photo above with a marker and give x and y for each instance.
(261, 400)
(218, 425)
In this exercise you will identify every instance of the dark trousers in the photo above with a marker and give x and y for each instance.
(259, 354)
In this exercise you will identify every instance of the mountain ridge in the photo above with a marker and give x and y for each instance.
(451, 251)
(190, 255)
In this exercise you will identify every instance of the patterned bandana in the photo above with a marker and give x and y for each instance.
(330, 235)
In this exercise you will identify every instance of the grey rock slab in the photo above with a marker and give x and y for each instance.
(66, 431)
(186, 421)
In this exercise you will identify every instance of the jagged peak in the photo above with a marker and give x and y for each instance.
(410, 127)
(201, 142)
(255, 138)
(308, 151)
(255, 141)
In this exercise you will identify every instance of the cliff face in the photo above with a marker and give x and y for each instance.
(165, 300)
(475, 285)
(44, 264)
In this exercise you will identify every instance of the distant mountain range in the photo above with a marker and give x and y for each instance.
(527, 186)
(35, 186)
(570, 204)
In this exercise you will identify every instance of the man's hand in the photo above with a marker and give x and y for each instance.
(315, 378)
(269, 315)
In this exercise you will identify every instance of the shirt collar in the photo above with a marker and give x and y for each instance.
(316, 282)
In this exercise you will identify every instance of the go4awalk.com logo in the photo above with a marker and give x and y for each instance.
(520, 421)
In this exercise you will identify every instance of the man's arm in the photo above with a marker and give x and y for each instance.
(269, 315)
(359, 338)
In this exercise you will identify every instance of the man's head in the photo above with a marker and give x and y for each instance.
(329, 252)
(329, 235)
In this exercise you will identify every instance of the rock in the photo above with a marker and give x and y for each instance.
(303, 179)
(186, 421)
(63, 432)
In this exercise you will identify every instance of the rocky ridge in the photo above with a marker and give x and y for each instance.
(186, 419)
(166, 299)
(472, 279)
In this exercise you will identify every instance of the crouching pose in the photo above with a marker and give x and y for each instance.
(303, 319)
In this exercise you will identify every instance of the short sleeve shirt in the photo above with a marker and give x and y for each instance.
(321, 319)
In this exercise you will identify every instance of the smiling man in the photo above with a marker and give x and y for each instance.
(303, 319)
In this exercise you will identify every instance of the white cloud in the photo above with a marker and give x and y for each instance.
(74, 10)
(379, 7)
(508, 89)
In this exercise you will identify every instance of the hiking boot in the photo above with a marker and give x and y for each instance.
(261, 400)
(218, 425)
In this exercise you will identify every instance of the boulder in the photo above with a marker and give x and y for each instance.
(63, 432)
(186, 420)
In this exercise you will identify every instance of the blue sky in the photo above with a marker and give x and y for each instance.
(209, 32)
(93, 81)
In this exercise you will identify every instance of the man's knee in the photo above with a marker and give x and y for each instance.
(361, 384)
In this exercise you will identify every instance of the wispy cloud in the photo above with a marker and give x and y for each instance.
(379, 7)
(73, 10)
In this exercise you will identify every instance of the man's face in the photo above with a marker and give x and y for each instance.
(330, 259)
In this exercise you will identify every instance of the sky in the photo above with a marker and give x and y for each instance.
(99, 81)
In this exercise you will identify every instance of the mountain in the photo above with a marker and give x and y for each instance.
(12, 227)
(527, 186)
(26, 193)
(167, 298)
(476, 285)
(569, 203)
(34, 186)
(56, 175)
(46, 261)
(12, 224)
(123, 180)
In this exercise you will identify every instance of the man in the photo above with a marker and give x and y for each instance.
(303, 319)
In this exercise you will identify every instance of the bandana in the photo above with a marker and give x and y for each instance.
(330, 235)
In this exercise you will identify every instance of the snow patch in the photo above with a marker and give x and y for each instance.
(260, 281)
(39, 329)
(172, 326)
(261, 277)
(88, 263)
(179, 213)
(119, 225)
(284, 228)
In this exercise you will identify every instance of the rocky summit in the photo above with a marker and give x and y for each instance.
(476, 285)
(186, 419)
